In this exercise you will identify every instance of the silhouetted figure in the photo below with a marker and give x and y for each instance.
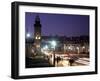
(58, 59)
(71, 61)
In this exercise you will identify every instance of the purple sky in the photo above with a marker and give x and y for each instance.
(58, 24)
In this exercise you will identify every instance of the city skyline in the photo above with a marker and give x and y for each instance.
(49, 47)
(58, 24)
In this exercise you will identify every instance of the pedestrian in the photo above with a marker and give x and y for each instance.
(71, 61)
(58, 59)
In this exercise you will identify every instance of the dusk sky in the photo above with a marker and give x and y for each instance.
(58, 24)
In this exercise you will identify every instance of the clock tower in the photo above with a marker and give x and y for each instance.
(37, 33)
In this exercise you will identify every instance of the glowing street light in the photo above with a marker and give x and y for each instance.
(46, 47)
(28, 35)
(53, 43)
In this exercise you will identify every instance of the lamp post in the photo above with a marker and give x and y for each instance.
(53, 43)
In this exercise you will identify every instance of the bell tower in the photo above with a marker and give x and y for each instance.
(37, 33)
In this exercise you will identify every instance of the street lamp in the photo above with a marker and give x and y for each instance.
(28, 35)
(53, 44)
